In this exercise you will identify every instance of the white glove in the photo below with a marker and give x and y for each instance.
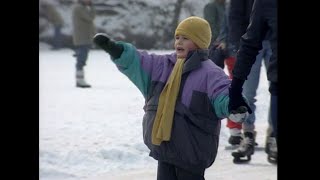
(240, 115)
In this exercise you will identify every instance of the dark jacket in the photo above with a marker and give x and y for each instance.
(202, 103)
(263, 23)
(213, 13)
(239, 16)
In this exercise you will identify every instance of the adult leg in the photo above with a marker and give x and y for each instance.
(250, 87)
(234, 128)
(274, 107)
(272, 143)
(183, 174)
(57, 37)
(81, 58)
(166, 171)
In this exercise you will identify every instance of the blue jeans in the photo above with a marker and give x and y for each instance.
(81, 54)
(251, 84)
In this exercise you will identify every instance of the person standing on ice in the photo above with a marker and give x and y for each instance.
(214, 12)
(233, 26)
(186, 97)
(83, 15)
(263, 23)
(50, 12)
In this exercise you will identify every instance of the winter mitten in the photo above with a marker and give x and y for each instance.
(236, 100)
(103, 41)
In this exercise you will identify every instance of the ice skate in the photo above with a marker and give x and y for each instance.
(272, 150)
(246, 149)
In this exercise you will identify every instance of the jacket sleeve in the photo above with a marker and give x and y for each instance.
(138, 66)
(218, 91)
(251, 42)
(238, 20)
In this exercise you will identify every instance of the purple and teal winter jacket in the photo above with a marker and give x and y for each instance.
(202, 102)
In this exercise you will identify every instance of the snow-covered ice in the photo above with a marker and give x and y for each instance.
(96, 133)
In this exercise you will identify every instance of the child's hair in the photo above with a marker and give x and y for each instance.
(197, 30)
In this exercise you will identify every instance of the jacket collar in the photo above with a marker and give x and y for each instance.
(194, 59)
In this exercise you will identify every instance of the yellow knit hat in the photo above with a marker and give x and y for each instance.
(197, 30)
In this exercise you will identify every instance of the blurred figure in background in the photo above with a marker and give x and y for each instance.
(83, 15)
(49, 11)
(214, 13)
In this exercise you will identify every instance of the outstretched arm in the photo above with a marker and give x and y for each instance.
(139, 67)
(125, 56)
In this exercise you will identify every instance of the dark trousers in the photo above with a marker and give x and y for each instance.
(274, 107)
(57, 39)
(168, 171)
(81, 54)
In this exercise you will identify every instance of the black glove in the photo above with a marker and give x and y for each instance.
(103, 41)
(236, 100)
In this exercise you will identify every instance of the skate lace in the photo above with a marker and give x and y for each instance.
(245, 143)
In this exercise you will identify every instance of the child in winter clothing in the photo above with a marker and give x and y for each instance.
(186, 96)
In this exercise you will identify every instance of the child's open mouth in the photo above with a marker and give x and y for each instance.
(179, 49)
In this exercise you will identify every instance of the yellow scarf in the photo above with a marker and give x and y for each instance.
(161, 130)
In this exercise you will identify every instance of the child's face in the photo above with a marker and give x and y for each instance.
(183, 45)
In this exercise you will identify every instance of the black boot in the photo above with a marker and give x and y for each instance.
(246, 148)
(272, 150)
